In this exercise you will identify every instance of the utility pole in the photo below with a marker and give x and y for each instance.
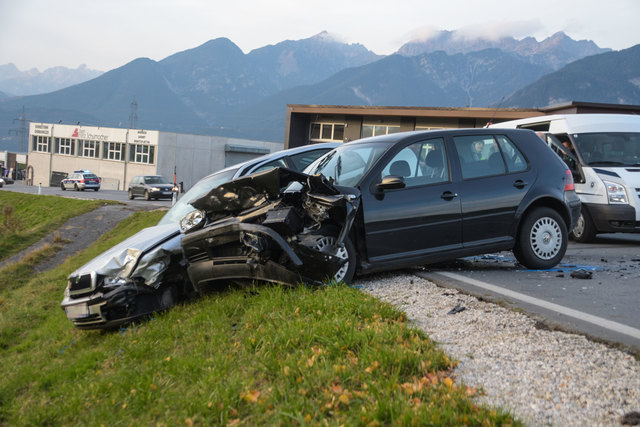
(22, 130)
(133, 117)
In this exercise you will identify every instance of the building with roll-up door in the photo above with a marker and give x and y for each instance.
(117, 155)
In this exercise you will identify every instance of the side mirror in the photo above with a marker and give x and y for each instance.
(390, 182)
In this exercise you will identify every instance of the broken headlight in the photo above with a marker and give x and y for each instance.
(192, 221)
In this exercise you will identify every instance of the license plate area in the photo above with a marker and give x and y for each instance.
(78, 311)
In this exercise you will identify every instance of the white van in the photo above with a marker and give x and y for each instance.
(603, 152)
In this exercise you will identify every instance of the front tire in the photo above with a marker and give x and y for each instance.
(62, 187)
(146, 195)
(585, 230)
(347, 271)
(542, 240)
(130, 194)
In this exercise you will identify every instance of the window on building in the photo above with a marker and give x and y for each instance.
(113, 151)
(88, 148)
(64, 146)
(377, 130)
(41, 143)
(140, 153)
(327, 132)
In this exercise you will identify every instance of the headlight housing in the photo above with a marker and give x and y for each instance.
(192, 221)
(616, 193)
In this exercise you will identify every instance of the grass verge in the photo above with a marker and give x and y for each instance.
(253, 356)
(26, 218)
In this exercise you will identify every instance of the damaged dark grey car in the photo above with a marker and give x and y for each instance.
(279, 226)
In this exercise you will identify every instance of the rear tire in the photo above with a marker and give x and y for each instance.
(347, 272)
(585, 230)
(542, 240)
(75, 187)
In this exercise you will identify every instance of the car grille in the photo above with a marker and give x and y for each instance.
(82, 284)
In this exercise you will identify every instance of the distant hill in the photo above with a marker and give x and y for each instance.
(217, 89)
(612, 77)
(427, 80)
(32, 82)
(553, 52)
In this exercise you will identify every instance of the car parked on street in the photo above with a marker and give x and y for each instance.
(147, 272)
(4, 180)
(387, 202)
(81, 180)
(151, 187)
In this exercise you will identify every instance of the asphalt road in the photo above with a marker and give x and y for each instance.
(594, 291)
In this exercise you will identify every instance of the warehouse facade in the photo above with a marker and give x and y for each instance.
(116, 155)
(307, 124)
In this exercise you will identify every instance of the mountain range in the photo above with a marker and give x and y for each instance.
(217, 89)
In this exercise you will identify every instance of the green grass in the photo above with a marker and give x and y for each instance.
(261, 355)
(26, 218)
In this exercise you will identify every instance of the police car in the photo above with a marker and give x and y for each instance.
(80, 181)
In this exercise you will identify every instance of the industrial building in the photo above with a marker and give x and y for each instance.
(307, 124)
(116, 155)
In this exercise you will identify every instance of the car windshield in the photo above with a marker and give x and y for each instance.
(156, 180)
(608, 148)
(202, 187)
(349, 163)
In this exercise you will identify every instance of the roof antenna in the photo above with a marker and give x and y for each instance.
(490, 122)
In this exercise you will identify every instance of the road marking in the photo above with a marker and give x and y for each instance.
(599, 321)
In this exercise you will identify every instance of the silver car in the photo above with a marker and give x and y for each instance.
(147, 272)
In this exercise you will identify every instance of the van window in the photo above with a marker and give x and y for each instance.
(608, 148)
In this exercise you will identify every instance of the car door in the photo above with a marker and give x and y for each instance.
(420, 219)
(492, 187)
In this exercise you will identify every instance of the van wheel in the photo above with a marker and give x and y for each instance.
(348, 251)
(584, 231)
(542, 240)
(130, 194)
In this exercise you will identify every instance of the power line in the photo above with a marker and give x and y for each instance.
(22, 130)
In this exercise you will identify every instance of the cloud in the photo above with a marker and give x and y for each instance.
(496, 30)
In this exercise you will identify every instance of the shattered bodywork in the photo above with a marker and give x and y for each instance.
(278, 226)
(143, 274)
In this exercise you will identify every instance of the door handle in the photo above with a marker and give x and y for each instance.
(448, 195)
(520, 184)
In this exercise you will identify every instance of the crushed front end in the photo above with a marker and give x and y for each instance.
(272, 226)
(142, 275)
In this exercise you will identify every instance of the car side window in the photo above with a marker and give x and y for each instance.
(479, 156)
(270, 165)
(513, 157)
(302, 160)
(421, 163)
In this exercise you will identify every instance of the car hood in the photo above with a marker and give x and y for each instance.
(122, 259)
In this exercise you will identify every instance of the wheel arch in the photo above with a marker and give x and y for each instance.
(548, 202)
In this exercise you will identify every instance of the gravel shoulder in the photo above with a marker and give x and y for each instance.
(543, 377)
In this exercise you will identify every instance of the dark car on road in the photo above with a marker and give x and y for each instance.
(387, 202)
(147, 272)
(81, 180)
(150, 187)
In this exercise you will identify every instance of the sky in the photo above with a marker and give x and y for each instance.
(106, 34)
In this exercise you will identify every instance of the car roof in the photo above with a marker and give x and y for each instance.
(241, 167)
